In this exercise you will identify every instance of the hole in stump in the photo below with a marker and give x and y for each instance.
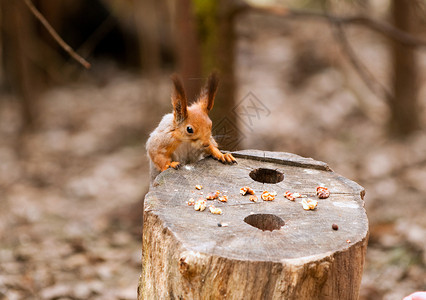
(265, 221)
(266, 175)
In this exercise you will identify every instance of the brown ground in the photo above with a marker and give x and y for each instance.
(70, 193)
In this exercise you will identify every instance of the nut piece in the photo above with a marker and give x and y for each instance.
(190, 202)
(223, 198)
(289, 196)
(268, 196)
(246, 190)
(198, 186)
(215, 210)
(323, 192)
(335, 227)
(213, 196)
(253, 198)
(200, 204)
(309, 204)
(292, 196)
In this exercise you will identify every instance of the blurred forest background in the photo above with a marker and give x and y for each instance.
(340, 81)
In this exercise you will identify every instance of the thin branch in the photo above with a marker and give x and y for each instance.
(376, 25)
(55, 35)
(370, 81)
(387, 29)
(382, 27)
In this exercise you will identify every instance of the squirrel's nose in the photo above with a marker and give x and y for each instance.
(206, 145)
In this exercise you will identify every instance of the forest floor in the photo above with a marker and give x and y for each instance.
(71, 192)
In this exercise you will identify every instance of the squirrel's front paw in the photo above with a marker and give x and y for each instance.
(227, 158)
(175, 165)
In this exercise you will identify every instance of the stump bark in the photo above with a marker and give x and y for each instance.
(269, 249)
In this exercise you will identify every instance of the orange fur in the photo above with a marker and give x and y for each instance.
(185, 136)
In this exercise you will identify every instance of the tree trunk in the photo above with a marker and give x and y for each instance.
(216, 23)
(147, 21)
(188, 48)
(206, 41)
(18, 43)
(253, 250)
(223, 115)
(404, 102)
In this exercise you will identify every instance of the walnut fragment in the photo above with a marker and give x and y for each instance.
(215, 210)
(268, 196)
(323, 192)
(246, 190)
(213, 196)
(292, 196)
(223, 198)
(309, 204)
(200, 205)
(253, 198)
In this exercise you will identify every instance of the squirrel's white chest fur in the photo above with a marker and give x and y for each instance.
(186, 153)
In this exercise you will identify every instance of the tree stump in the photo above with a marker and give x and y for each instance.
(253, 250)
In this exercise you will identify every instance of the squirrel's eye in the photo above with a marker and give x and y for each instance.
(189, 129)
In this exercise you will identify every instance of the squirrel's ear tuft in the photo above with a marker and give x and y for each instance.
(179, 101)
(209, 92)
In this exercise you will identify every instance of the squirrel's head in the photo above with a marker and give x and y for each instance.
(192, 124)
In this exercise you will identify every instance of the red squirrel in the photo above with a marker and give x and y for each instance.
(185, 136)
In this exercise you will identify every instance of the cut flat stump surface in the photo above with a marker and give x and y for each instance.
(286, 252)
